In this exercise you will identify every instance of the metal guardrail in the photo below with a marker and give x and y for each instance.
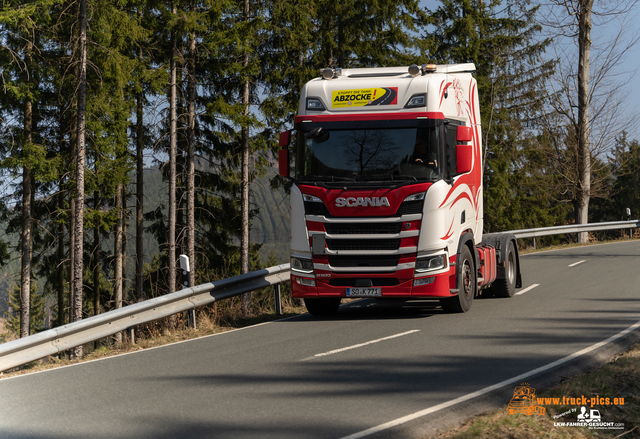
(575, 228)
(56, 340)
(62, 338)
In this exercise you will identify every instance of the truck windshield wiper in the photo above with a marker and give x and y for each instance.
(387, 177)
(325, 178)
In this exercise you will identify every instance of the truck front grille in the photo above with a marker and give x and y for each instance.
(314, 208)
(375, 282)
(410, 208)
(363, 228)
(406, 208)
(363, 244)
(363, 261)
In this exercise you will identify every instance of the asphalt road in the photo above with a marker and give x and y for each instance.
(374, 362)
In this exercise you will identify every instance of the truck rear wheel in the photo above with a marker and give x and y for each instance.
(466, 283)
(322, 306)
(506, 287)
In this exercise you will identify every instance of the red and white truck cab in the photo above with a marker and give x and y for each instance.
(387, 193)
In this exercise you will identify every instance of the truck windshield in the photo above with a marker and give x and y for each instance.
(324, 153)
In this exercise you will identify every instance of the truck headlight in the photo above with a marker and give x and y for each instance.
(431, 263)
(302, 265)
(415, 197)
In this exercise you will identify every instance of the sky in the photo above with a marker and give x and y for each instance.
(602, 34)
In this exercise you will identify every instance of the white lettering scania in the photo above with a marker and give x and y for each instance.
(362, 201)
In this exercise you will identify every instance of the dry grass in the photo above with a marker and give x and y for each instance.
(620, 377)
(500, 425)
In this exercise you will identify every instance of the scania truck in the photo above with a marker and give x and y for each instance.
(386, 200)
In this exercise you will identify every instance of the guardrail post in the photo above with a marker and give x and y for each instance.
(186, 283)
(132, 335)
(534, 243)
(277, 299)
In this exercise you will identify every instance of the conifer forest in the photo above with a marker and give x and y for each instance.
(133, 131)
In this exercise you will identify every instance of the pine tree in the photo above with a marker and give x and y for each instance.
(625, 190)
(37, 311)
(500, 39)
(23, 27)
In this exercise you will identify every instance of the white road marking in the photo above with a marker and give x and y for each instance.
(527, 289)
(489, 389)
(576, 263)
(337, 351)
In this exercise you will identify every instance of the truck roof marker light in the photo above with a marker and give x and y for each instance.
(429, 68)
(327, 73)
(417, 100)
(414, 70)
(415, 197)
(315, 104)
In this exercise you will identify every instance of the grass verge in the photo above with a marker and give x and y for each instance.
(619, 378)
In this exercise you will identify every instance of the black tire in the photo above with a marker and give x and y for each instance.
(507, 287)
(322, 306)
(466, 283)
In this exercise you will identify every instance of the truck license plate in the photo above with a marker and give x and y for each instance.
(364, 292)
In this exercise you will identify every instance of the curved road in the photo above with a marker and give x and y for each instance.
(373, 363)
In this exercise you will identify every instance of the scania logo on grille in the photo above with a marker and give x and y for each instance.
(362, 201)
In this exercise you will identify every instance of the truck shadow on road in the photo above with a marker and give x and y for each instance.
(383, 309)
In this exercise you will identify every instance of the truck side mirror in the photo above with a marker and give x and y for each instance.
(464, 152)
(285, 139)
(283, 154)
(464, 158)
(464, 134)
(283, 162)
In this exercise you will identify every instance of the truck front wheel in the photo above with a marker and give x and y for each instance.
(322, 306)
(466, 283)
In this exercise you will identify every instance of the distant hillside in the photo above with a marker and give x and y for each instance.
(272, 227)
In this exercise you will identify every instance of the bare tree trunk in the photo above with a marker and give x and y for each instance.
(72, 222)
(61, 265)
(584, 129)
(172, 167)
(124, 242)
(27, 188)
(244, 234)
(191, 158)
(139, 194)
(117, 281)
(96, 258)
(25, 272)
(79, 214)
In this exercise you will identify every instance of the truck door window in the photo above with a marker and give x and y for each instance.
(450, 149)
